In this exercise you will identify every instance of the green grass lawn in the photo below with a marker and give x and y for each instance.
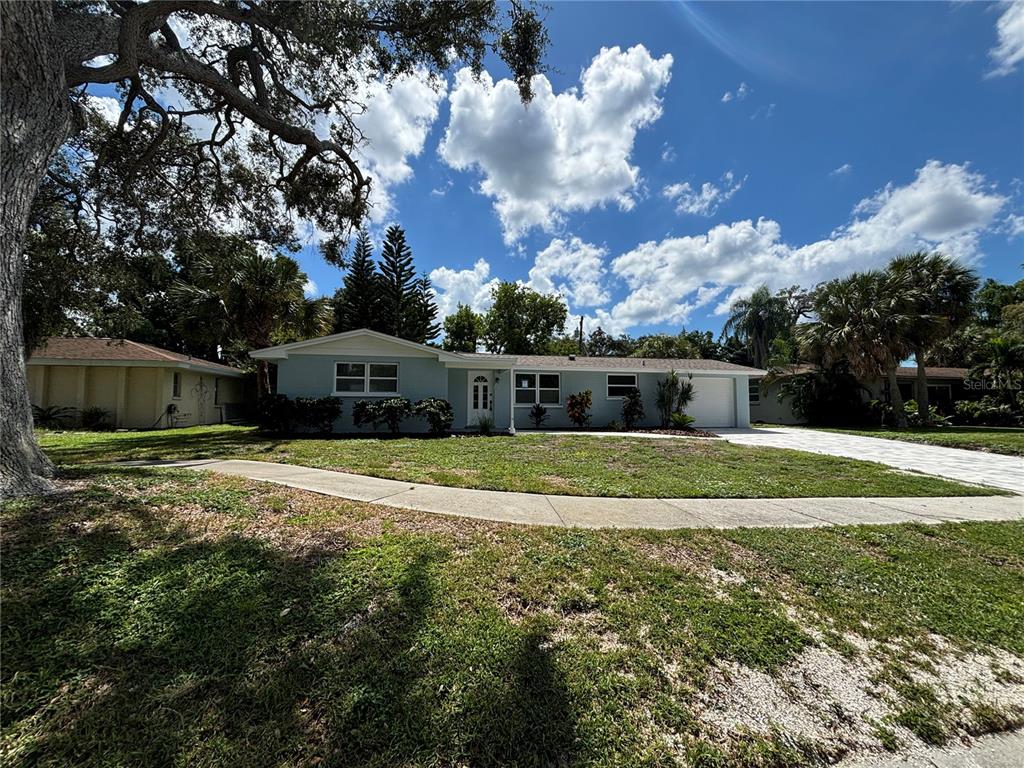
(535, 463)
(993, 439)
(169, 617)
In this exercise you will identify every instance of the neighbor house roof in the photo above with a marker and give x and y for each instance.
(905, 372)
(62, 350)
(620, 363)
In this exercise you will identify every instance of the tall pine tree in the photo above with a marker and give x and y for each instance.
(357, 304)
(398, 286)
(425, 326)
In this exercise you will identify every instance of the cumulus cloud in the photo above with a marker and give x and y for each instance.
(1009, 51)
(310, 288)
(395, 125)
(1013, 225)
(706, 200)
(463, 286)
(668, 153)
(106, 107)
(562, 152)
(945, 207)
(741, 93)
(842, 170)
(574, 269)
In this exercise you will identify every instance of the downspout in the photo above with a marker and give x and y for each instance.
(511, 401)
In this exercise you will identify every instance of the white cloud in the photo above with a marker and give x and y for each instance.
(842, 170)
(945, 207)
(706, 200)
(1013, 225)
(395, 125)
(741, 93)
(562, 152)
(310, 288)
(668, 153)
(1009, 51)
(106, 107)
(764, 112)
(465, 286)
(581, 267)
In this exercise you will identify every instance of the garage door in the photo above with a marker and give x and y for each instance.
(714, 404)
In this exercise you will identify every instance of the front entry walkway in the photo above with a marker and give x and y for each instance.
(604, 512)
(959, 464)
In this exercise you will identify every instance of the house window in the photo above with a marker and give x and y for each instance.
(754, 391)
(620, 385)
(176, 385)
(366, 378)
(216, 391)
(544, 388)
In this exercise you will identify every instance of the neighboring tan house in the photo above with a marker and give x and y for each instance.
(362, 364)
(946, 386)
(140, 386)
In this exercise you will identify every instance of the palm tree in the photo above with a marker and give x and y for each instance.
(1003, 362)
(249, 300)
(865, 319)
(943, 290)
(757, 321)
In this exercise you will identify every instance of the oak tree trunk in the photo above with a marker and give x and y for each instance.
(899, 413)
(922, 388)
(34, 121)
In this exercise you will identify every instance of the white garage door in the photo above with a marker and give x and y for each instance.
(714, 404)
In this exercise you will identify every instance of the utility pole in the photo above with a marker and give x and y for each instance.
(581, 335)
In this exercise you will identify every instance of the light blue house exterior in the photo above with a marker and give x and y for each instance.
(364, 364)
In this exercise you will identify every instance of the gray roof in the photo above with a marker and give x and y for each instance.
(618, 363)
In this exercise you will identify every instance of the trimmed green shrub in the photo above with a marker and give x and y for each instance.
(390, 411)
(988, 412)
(632, 408)
(577, 407)
(274, 413)
(485, 424)
(438, 412)
(317, 413)
(538, 415)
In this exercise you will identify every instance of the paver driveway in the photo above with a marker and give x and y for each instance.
(953, 463)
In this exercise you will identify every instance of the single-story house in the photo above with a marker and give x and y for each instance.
(362, 364)
(139, 385)
(946, 386)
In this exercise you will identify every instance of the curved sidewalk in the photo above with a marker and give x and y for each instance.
(606, 512)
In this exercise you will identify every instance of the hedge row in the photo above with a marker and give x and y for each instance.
(279, 413)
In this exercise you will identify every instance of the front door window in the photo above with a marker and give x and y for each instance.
(481, 393)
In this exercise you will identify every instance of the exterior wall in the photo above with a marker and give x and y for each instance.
(312, 375)
(606, 410)
(134, 396)
(769, 410)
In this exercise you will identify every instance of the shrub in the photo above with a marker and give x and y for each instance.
(614, 426)
(438, 412)
(274, 413)
(935, 419)
(317, 413)
(830, 397)
(577, 407)
(681, 420)
(364, 413)
(632, 408)
(53, 417)
(485, 424)
(665, 398)
(686, 394)
(96, 419)
(988, 412)
(538, 415)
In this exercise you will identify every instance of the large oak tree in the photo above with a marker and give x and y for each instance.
(264, 75)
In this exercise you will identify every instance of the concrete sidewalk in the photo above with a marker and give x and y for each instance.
(604, 512)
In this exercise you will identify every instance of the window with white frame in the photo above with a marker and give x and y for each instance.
(620, 385)
(543, 388)
(754, 391)
(366, 378)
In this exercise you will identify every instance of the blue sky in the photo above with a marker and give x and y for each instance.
(678, 155)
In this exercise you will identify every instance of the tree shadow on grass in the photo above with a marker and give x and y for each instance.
(129, 641)
(162, 444)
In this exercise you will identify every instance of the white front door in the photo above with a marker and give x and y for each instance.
(481, 396)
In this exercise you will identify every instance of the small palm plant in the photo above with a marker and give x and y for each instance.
(53, 416)
(538, 415)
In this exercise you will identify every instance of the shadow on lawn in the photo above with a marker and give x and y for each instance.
(133, 642)
(163, 444)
